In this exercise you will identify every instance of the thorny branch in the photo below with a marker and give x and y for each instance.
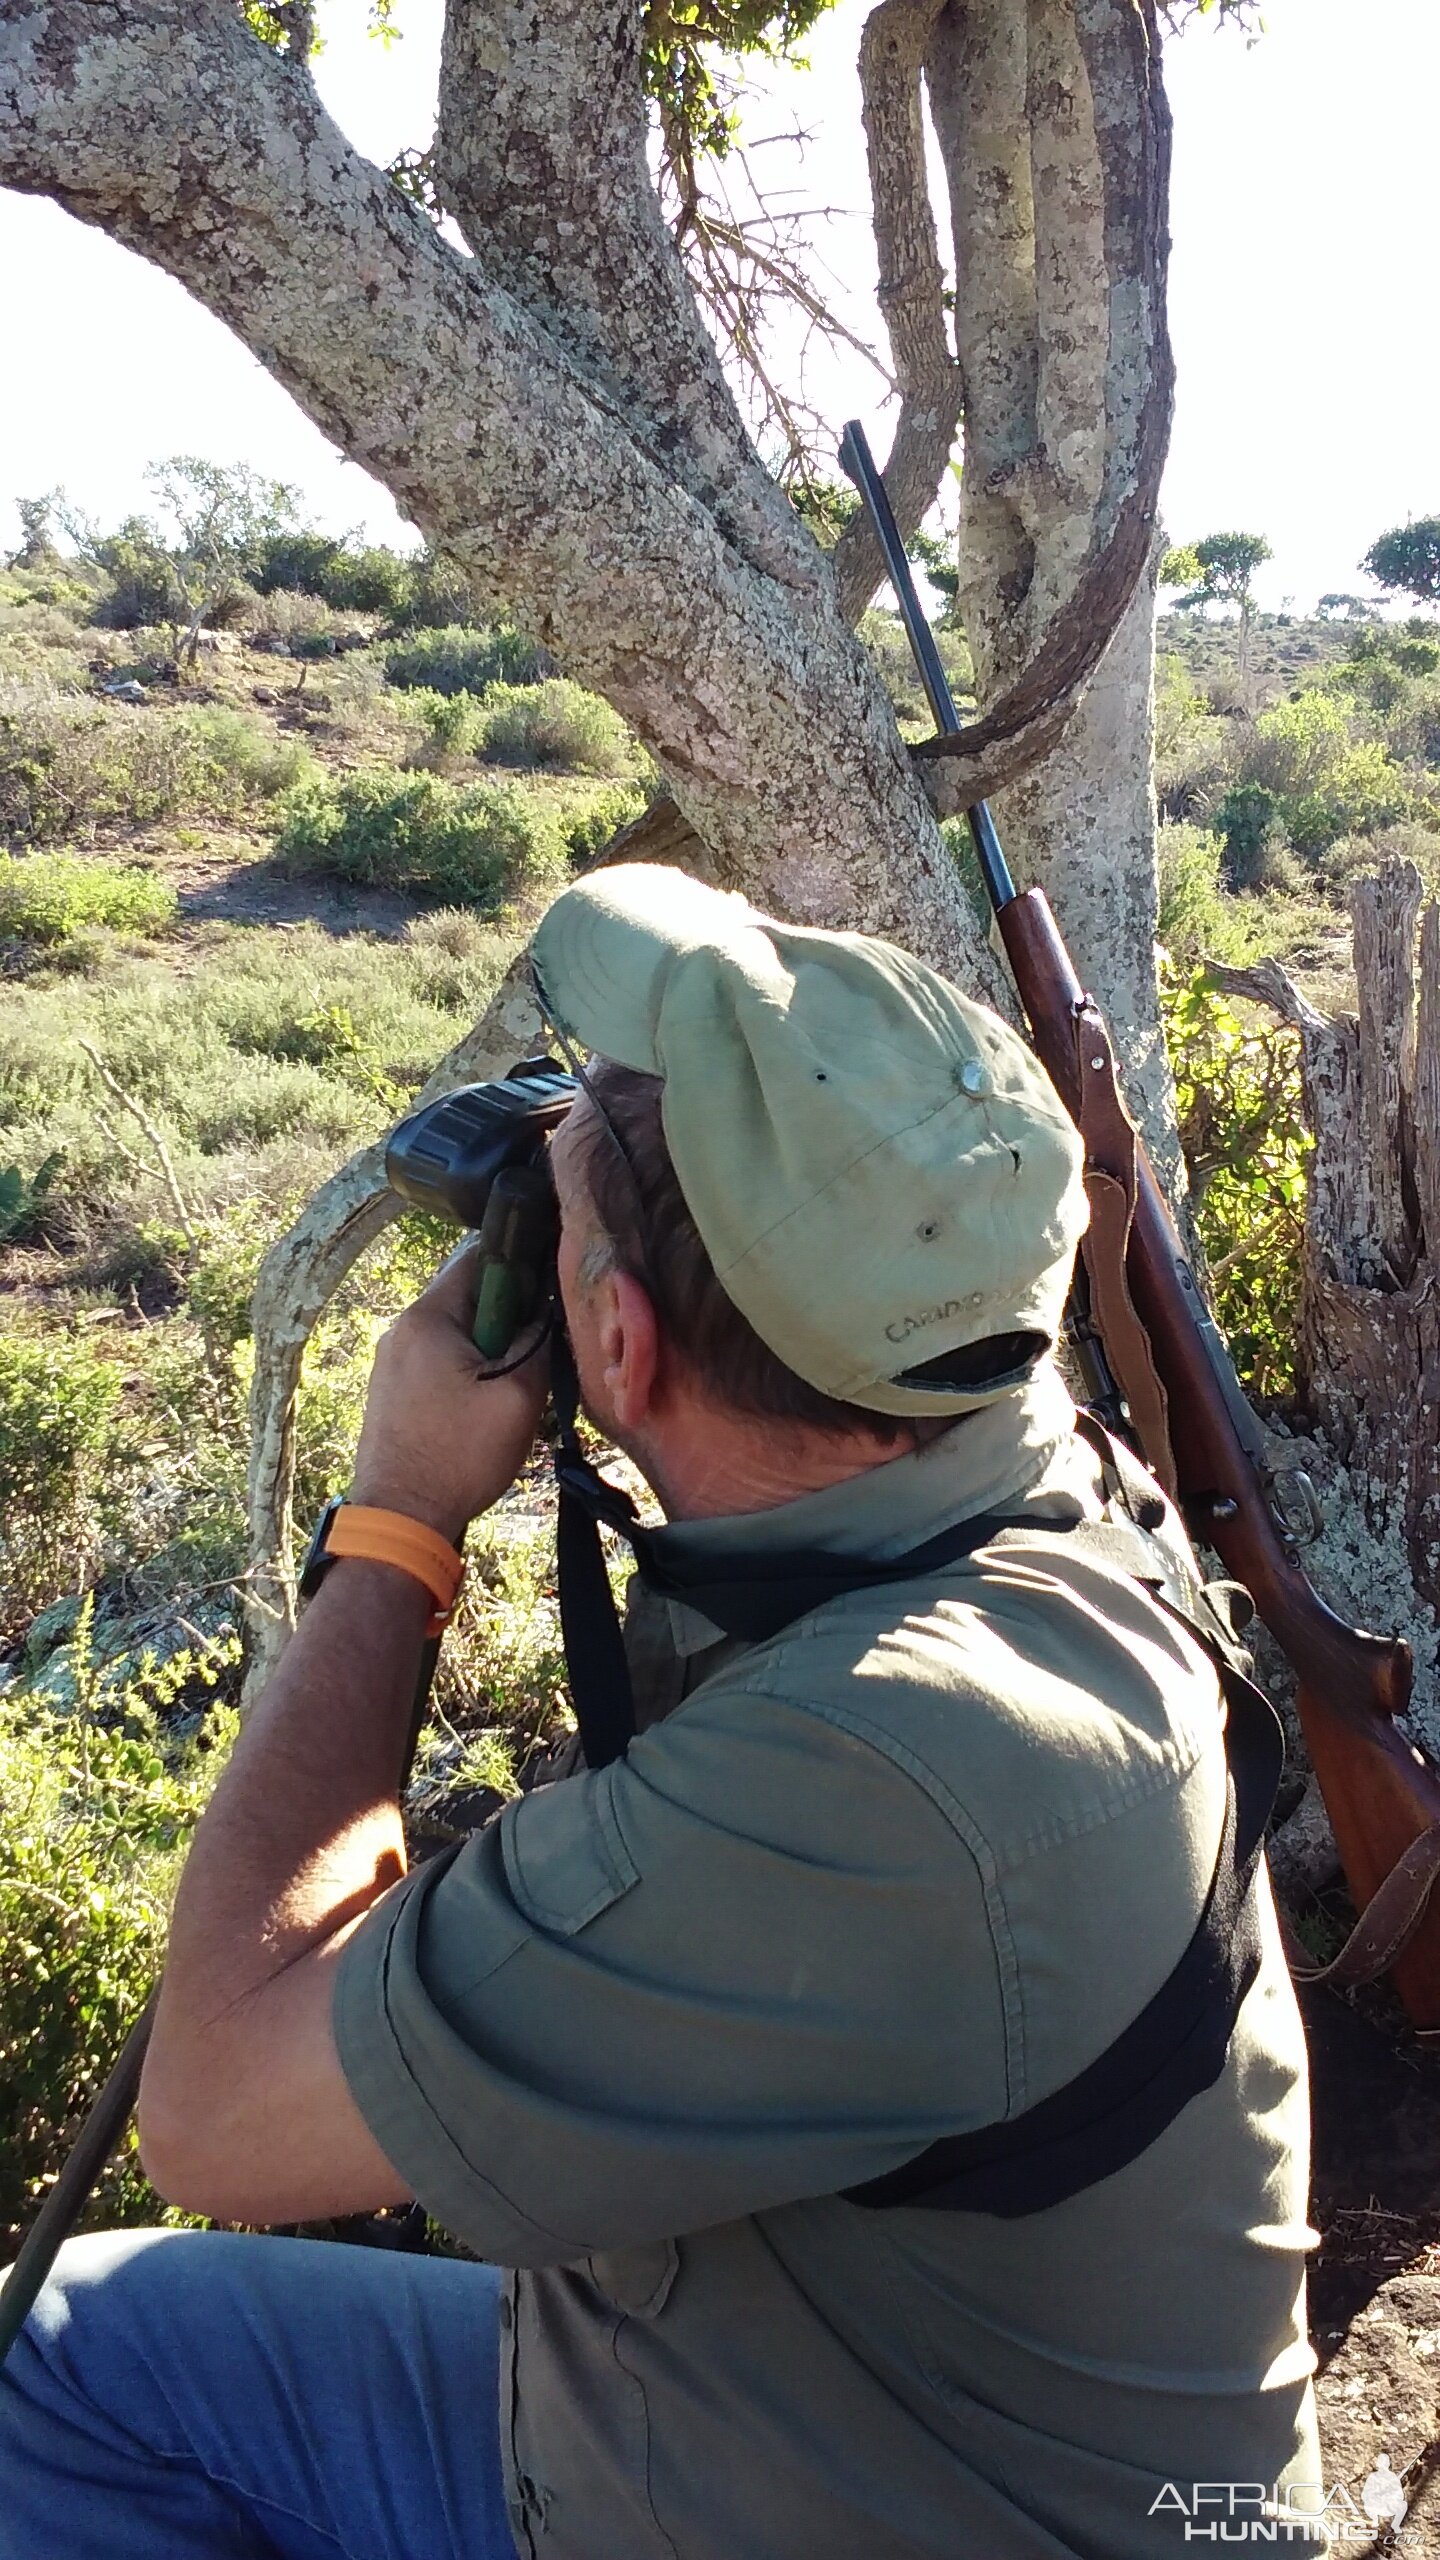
(749, 261)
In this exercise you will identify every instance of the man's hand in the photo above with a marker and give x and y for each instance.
(244, 2108)
(445, 1432)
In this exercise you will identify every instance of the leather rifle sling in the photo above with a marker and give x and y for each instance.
(1108, 1135)
(1385, 1926)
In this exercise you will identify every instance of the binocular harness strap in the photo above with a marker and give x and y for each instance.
(1122, 2102)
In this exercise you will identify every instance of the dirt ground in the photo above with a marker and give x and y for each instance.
(1375, 2280)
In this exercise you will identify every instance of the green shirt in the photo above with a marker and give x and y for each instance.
(901, 1870)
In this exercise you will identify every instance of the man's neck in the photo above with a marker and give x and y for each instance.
(706, 1465)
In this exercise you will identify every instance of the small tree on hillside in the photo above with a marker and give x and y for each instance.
(37, 540)
(1227, 563)
(1407, 560)
(219, 520)
(1343, 608)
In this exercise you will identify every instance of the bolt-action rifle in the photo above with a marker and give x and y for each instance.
(1188, 1416)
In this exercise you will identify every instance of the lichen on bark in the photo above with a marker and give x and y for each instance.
(550, 409)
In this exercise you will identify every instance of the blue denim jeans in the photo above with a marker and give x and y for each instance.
(184, 2392)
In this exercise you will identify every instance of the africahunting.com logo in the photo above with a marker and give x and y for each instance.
(1295, 2512)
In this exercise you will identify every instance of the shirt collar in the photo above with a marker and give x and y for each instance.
(988, 1460)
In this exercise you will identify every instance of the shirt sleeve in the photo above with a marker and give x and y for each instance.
(751, 1962)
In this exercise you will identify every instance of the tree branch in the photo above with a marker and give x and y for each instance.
(163, 1169)
(1267, 982)
(171, 128)
(1048, 569)
(911, 289)
(541, 154)
(298, 1278)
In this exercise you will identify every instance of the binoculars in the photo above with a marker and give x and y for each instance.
(478, 1158)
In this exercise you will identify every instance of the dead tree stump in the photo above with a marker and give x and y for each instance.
(1370, 1300)
(1369, 1349)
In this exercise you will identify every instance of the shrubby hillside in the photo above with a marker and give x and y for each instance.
(270, 828)
(1278, 789)
(249, 894)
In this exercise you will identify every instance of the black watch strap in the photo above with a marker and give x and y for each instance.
(318, 1558)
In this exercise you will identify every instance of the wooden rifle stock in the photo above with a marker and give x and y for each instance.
(1380, 1792)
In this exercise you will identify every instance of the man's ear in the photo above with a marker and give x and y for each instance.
(629, 1346)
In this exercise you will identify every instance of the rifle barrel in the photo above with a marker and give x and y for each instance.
(859, 464)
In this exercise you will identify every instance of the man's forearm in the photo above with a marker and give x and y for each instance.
(245, 2111)
(302, 1834)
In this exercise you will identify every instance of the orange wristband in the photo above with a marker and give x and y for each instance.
(392, 1537)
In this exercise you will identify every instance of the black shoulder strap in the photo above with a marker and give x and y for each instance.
(753, 1598)
(589, 1621)
(1176, 2047)
(1123, 2101)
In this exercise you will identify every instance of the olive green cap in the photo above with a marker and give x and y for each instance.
(880, 1169)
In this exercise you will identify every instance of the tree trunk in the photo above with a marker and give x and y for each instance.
(1081, 824)
(1056, 383)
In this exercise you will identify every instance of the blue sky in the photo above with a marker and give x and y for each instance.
(1302, 290)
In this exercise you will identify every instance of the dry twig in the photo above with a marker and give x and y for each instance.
(163, 1170)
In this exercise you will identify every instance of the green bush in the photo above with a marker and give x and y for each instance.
(1364, 790)
(241, 760)
(438, 595)
(309, 625)
(58, 1413)
(463, 658)
(370, 580)
(556, 724)
(460, 959)
(95, 1812)
(453, 723)
(1197, 920)
(295, 562)
(1350, 857)
(353, 577)
(143, 585)
(237, 1102)
(478, 843)
(1307, 780)
(1194, 751)
(45, 897)
(588, 829)
(1250, 824)
(287, 1049)
(37, 642)
(53, 584)
(68, 765)
(1238, 1093)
